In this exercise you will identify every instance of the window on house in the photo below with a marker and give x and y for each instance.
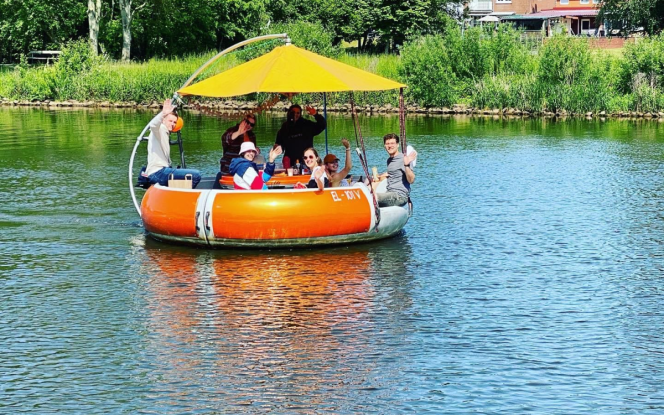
(585, 1)
(503, 1)
(564, 1)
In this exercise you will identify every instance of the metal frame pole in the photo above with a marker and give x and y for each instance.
(327, 151)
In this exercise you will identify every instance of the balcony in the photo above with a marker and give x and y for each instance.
(476, 6)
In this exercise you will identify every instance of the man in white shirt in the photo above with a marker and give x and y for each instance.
(159, 167)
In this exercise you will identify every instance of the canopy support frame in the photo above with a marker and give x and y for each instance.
(327, 150)
(363, 157)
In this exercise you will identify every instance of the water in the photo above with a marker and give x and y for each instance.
(529, 280)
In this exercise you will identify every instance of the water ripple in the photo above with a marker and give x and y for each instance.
(527, 282)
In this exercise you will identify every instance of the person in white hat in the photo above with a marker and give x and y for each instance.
(245, 171)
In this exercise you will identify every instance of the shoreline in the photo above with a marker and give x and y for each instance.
(230, 107)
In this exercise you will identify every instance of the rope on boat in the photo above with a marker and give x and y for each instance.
(363, 157)
(402, 134)
(402, 122)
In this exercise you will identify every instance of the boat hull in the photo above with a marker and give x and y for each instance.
(268, 218)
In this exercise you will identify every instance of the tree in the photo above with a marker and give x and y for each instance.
(127, 13)
(633, 15)
(26, 25)
(94, 18)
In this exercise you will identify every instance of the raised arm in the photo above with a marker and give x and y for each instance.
(268, 172)
(349, 163)
(166, 109)
(349, 158)
(407, 159)
(320, 124)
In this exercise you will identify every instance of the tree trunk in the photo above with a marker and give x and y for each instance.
(127, 16)
(94, 17)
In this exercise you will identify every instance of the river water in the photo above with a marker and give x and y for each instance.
(529, 280)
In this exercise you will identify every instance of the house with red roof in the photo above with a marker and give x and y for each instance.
(576, 17)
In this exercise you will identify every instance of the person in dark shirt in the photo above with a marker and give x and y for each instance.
(232, 139)
(297, 134)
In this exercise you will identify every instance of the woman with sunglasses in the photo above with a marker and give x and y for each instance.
(318, 177)
(232, 139)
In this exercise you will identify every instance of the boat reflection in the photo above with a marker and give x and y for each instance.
(284, 323)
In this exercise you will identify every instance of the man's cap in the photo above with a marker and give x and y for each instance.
(330, 158)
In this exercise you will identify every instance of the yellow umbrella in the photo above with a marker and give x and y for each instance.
(289, 69)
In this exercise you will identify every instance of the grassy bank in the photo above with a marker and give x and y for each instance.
(481, 69)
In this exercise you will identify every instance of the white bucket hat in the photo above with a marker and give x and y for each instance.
(247, 146)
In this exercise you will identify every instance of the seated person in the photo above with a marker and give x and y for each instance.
(399, 174)
(245, 172)
(232, 140)
(338, 179)
(318, 179)
(159, 167)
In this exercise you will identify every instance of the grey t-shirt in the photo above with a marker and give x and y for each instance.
(396, 176)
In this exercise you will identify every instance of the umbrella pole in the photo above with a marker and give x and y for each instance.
(327, 151)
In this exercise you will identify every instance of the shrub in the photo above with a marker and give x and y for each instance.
(645, 60)
(563, 60)
(426, 69)
(75, 62)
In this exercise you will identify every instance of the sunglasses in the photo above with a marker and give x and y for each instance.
(309, 157)
(251, 124)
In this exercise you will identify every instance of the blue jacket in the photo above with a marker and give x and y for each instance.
(245, 174)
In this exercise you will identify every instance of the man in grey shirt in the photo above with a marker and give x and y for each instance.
(399, 174)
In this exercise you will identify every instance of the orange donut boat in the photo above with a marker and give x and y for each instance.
(268, 218)
(280, 216)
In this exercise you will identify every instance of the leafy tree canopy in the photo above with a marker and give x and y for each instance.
(163, 28)
(633, 15)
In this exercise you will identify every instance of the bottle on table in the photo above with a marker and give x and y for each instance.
(297, 169)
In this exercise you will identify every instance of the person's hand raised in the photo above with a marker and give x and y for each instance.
(310, 110)
(244, 127)
(168, 107)
(345, 143)
(410, 157)
(274, 153)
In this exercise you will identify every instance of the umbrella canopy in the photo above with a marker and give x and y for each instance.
(490, 19)
(289, 69)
